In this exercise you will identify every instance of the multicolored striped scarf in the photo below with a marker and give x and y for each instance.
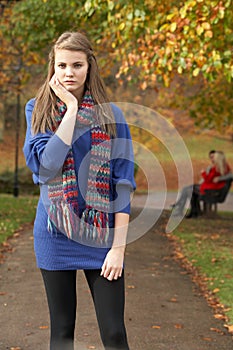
(63, 190)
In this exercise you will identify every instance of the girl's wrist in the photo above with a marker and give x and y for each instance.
(119, 248)
(72, 107)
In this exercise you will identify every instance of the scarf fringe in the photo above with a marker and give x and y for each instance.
(62, 217)
(93, 226)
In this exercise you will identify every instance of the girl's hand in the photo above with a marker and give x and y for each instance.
(113, 263)
(60, 91)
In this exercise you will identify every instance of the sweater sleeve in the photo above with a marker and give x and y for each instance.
(44, 153)
(122, 165)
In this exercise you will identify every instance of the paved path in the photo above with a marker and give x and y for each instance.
(158, 200)
(164, 309)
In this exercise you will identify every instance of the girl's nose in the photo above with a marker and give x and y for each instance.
(69, 72)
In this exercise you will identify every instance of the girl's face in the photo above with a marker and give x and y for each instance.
(71, 69)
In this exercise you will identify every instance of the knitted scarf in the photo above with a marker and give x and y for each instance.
(63, 190)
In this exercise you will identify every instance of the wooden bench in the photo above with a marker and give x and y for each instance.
(211, 198)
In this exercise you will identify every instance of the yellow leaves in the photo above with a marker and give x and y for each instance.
(183, 12)
(191, 3)
(199, 30)
(180, 70)
(121, 26)
(164, 27)
(208, 34)
(196, 72)
(173, 27)
(216, 56)
(171, 15)
(205, 26)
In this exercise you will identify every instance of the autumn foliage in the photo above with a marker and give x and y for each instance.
(149, 43)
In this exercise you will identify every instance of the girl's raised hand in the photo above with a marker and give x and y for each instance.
(61, 92)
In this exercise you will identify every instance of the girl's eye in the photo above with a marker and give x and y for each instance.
(62, 65)
(78, 65)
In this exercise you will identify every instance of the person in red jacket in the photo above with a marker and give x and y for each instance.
(214, 179)
(186, 192)
(220, 168)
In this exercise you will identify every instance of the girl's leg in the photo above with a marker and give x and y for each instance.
(60, 288)
(109, 301)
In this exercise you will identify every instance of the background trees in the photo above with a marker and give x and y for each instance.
(150, 43)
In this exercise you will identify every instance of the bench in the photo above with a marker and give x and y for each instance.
(211, 198)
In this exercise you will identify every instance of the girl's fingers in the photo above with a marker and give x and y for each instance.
(111, 273)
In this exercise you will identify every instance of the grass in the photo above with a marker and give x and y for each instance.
(208, 246)
(14, 213)
(207, 143)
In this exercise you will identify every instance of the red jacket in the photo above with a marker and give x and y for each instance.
(208, 183)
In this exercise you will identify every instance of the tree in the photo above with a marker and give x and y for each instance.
(150, 41)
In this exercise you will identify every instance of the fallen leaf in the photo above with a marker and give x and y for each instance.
(16, 235)
(207, 339)
(229, 327)
(219, 316)
(178, 326)
(156, 327)
(131, 287)
(215, 236)
(180, 255)
(43, 327)
(15, 348)
(216, 290)
(91, 347)
(174, 300)
(217, 330)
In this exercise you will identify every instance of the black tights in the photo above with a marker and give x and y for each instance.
(108, 297)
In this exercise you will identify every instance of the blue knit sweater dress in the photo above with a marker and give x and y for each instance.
(45, 154)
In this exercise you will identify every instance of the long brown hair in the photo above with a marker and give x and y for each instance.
(44, 112)
(220, 162)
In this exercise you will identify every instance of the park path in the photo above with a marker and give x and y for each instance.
(164, 309)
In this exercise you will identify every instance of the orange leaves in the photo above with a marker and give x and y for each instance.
(229, 328)
(43, 327)
(156, 327)
(176, 326)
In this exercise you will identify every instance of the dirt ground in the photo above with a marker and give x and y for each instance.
(164, 309)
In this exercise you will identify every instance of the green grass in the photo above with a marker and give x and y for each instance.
(14, 213)
(208, 245)
(207, 143)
